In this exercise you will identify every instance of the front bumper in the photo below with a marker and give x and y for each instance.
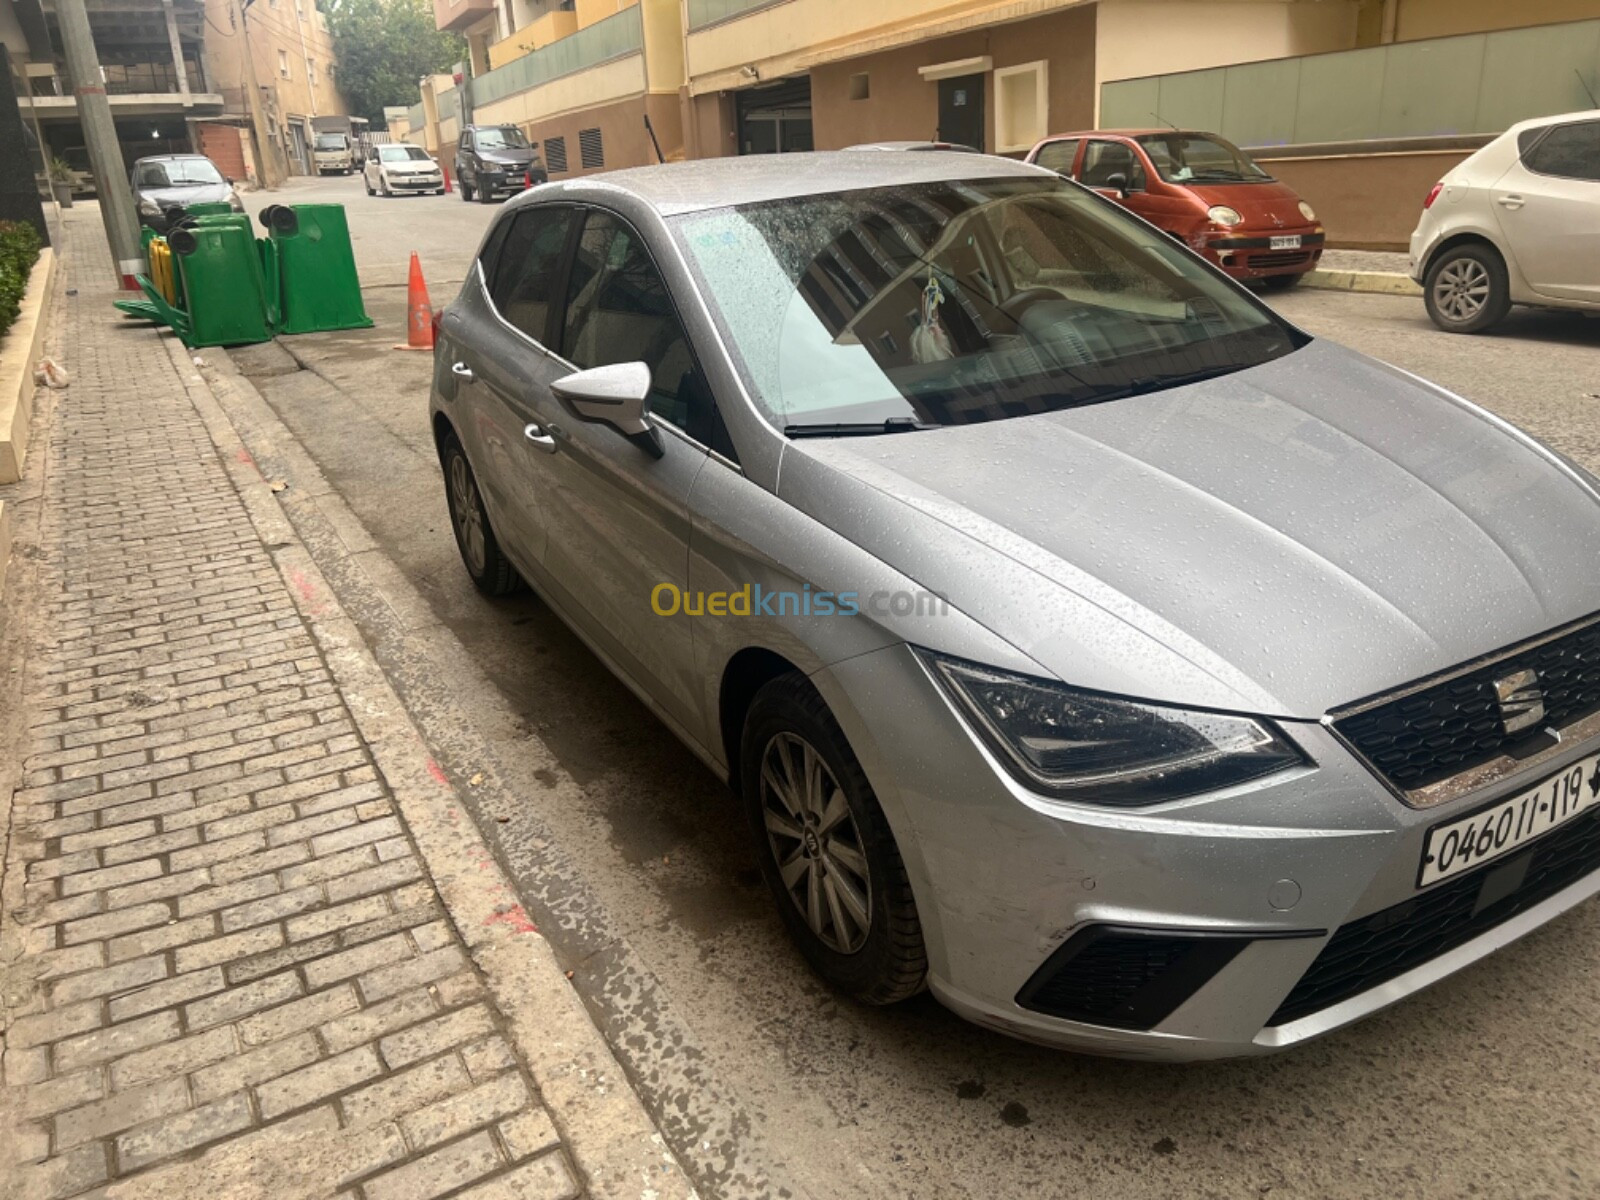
(1005, 878)
(1248, 254)
(416, 183)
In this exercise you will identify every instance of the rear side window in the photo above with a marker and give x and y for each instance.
(1102, 160)
(524, 282)
(1058, 156)
(1568, 151)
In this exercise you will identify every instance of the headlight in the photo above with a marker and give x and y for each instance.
(235, 203)
(149, 208)
(1223, 215)
(1307, 211)
(1107, 750)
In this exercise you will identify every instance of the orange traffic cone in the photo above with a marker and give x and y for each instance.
(419, 313)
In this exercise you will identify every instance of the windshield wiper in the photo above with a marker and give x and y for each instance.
(857, 428)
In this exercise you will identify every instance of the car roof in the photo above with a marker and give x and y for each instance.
(672, 188)
(170, 158)
(1130, 133)
(1588, 114)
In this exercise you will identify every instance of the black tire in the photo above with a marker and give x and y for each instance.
(486, 195)
(466, 190)
(491, 571)
(1467, 289)
(367, 185)
(1281, 283)
(880, 961)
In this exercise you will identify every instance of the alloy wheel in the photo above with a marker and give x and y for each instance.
(465, 511)
(1461, 289)
(814, 840)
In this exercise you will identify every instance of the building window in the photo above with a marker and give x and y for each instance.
(591, 152)
(1021, 106)
(555, 155)
(283, 63)
(859, 87)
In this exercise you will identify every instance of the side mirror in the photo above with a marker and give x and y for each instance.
(617, 395)
(1119, 181)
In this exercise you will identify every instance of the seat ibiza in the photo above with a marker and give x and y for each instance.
(1084, 642)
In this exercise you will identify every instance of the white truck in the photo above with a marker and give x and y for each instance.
(333, 153)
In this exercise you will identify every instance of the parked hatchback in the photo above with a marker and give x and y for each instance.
(1083, 641)
(398, 168)
(494, 161)
(164, 185)
(1203, 190)
(1516, 223)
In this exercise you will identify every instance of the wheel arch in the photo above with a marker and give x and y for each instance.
(1464, 237)
(743, 675)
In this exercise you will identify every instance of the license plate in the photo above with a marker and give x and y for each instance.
(1501, 828)
(1291, 242)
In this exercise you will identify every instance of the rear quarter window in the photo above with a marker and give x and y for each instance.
(1566, 151)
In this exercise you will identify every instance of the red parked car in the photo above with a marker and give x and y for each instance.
(1201, 189)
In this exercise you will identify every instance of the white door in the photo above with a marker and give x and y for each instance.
(1548, 206)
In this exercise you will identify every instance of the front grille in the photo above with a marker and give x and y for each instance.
(1377, 948)
(1280, 258)
(1456, 725)
(1125, 977)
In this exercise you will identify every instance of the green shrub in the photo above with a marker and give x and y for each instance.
(19, 248)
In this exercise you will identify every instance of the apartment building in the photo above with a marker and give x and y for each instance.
(176, 77)
(1360, 104)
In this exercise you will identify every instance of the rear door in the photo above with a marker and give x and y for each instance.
(1102, 160)
(1059, 156)
(1548, 208)
(617, 516)
(503, 368)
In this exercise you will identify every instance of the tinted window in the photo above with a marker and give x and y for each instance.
(1058, 156)
(618, 310)
(1570, 151)
(958, 302)
(524, 281)
(1102, 160)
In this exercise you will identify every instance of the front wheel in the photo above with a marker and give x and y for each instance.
(466, 188)
(1280, 283)
(825, 847)
(1467, 289)
(491, 571)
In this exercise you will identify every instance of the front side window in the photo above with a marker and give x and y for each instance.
(619, 310)
(1568, 151)
(1200, 158)
(524, 282)
(1058, 156)
(959, 302)
(1102, 160)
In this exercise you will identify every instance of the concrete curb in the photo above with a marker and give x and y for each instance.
(16, 373)
(1381, 283)
(611, 1137)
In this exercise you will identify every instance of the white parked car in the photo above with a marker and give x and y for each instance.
(398, 167)
(1517, 223)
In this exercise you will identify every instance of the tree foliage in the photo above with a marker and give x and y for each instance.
(384, 48)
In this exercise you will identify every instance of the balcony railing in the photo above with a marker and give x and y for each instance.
(713, 12)
(614, 37)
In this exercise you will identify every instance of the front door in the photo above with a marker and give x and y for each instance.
(1548, 206)
(617, 517)
(961, 110)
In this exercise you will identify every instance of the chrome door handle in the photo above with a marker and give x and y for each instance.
(535, 433)
(462, 372)
(1510, 201)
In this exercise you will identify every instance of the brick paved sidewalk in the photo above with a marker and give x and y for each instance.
(222, 964)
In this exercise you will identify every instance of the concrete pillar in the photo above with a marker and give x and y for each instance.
(177, 47)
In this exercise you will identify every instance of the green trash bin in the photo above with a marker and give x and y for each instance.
(223, 287)
(319, 288)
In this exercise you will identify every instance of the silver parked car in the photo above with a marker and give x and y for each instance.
(1516, 223)
(1085, 642)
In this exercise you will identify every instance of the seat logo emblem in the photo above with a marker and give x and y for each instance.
(1521, 701)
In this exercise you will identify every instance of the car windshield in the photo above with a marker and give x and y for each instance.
(178, 172)
(330, 141)
(1200, 158)
(505, 138)
(958, 302)
(402, 154)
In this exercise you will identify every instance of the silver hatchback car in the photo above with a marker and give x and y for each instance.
(1085, 642)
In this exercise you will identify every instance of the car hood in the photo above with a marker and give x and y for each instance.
(1282, 540)
(209, 193)
(1270, 205)
(506, 158)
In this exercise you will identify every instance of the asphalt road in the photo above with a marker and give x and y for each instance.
(1485, 1085)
